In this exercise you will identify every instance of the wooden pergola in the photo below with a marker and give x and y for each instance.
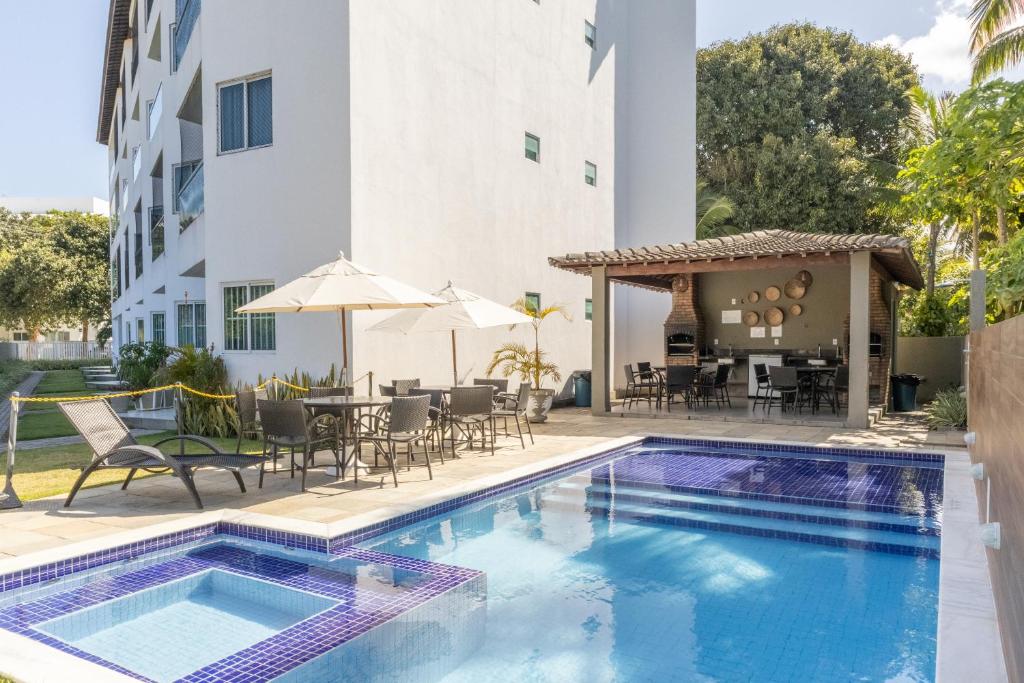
(657, 267)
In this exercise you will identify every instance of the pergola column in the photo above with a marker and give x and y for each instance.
(600, 346)
(860, 334)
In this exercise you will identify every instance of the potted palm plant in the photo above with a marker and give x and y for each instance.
(530, 364)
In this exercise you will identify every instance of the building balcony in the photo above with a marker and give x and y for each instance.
(190, 198)
(184, 22)
(156, 231)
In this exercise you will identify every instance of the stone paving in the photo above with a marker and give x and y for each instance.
(105, 510)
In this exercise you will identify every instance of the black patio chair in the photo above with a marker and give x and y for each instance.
(436, 415)
(114, 447)
(786, 384)
(386, 390)
(680, 380)
(763, 393)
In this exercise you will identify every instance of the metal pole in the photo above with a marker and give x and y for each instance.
(370, 375)
(9, 499)
(179, 416)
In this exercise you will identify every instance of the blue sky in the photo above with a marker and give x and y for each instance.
(52, 51)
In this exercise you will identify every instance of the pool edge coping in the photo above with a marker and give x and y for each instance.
(964, 566)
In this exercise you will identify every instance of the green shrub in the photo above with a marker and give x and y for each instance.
(301, 379)
(201, 370)
(139, 362)
(947, 410)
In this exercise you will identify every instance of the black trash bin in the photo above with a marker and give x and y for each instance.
(904, 392)
(581, 389)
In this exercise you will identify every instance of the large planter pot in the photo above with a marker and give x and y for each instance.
(540, 404)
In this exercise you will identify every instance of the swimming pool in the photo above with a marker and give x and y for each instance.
(670, 560)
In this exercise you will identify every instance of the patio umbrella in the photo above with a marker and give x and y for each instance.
(462, 310)
(341, 286)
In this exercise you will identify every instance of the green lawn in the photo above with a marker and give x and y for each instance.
(41, 472)
(61, 382)
(40, 425)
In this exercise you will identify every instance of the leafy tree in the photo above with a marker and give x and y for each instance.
(800, 126)
(995, 44)
(54, 270)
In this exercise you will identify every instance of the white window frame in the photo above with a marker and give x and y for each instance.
(206, 325)
(245, 112)
(587, 165)
(152, 325)
(248, 284)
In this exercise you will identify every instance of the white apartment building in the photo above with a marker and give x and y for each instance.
(432, 140)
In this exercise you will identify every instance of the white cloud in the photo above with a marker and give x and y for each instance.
(941, 55)
(942, 52)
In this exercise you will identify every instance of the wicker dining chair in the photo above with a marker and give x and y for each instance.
(387, 390)
(470, 409)
(407, 423)
(515, 408)
(436, 415)
(287, 424)
(402, 386)
(248, 415)
(680, 379)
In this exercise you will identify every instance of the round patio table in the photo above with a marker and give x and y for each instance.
(342, 407)
(815, 372)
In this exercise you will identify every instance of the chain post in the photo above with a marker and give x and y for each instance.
(370, 375)
(179, 415)
(9, 499)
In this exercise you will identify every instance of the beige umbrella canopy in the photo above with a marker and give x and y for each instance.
(462, 310)
(341, 286)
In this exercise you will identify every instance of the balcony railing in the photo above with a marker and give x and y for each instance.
(135, 57)
(156, 230)
(138, 252)
(183, 25)
(190, 198)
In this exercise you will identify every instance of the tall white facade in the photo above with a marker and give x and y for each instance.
(395, 131)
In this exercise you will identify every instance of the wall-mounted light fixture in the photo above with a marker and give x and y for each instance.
(991, 535)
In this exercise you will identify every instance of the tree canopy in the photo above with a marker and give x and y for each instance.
(800, 127)
(53, 269)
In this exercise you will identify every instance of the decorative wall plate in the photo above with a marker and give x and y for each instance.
(774, 316)
(795, 289)
(753, 296)
(796, 309)
(805, 277)
(772, 293)
(751, 318)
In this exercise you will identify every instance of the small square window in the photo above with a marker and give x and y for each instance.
(590, 173)
(590, 34)
(588, 309)
(533, 148)
(532, 301)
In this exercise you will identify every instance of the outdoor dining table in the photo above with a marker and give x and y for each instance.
(342, 407)
(815, 372)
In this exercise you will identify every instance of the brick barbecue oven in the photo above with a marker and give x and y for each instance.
(684, 326)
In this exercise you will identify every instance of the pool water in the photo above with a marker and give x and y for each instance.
(589, 579)
(169, 631)
(665, 561)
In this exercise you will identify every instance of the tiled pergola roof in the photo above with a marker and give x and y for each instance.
(653, 266)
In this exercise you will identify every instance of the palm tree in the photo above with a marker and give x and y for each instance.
(713, 212)
(928, 120)
(995, 43)
(517, 358)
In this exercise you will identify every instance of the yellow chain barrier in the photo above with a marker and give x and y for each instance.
(62, 399)
(140, 392)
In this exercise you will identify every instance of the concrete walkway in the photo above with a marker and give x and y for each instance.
(104, 510)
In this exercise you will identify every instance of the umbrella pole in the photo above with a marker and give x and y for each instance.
(455, 369)
(344, 347)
